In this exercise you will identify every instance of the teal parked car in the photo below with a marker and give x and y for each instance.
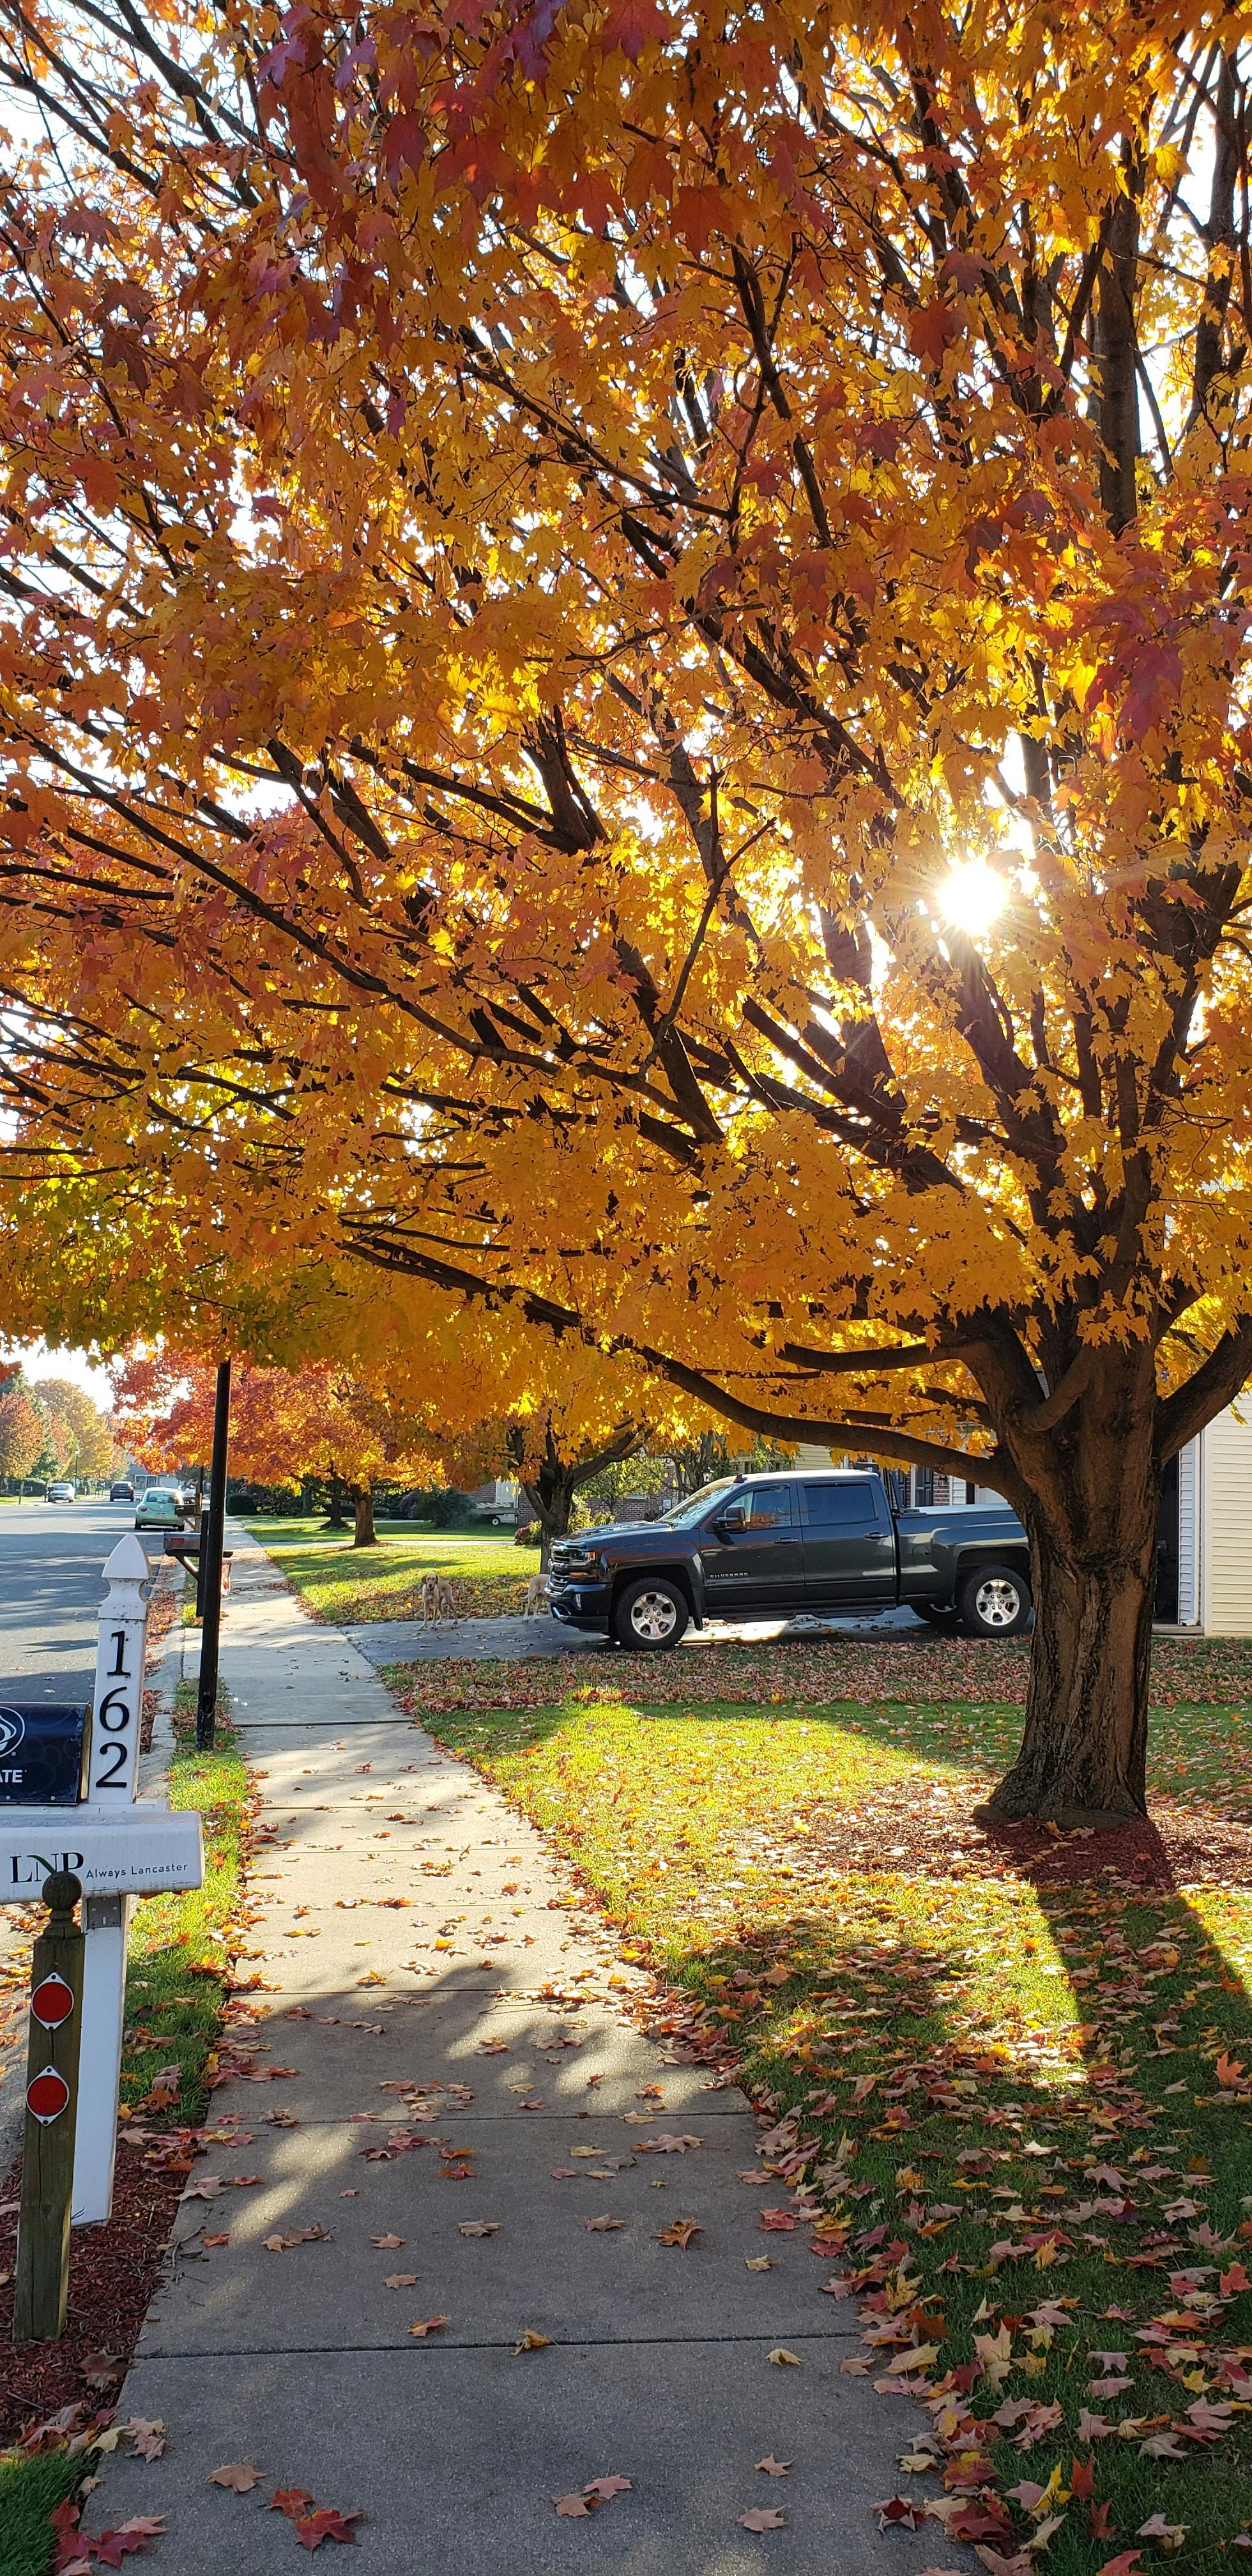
(158, 1509)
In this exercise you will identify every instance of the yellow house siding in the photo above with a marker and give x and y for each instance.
(1226, 1525)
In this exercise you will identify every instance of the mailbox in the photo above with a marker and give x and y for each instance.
(43, 1754)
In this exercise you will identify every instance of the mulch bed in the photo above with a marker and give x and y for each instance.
(113, 2272)
(936, 1837)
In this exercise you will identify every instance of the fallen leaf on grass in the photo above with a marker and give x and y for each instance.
(428, 2325)
(1171, 2535)
(529, 2341)
(478, 2227)
(238, 2475)
(786, 2360)
(761, 2518)
(774, 2468)
(602, 2226)
(399, 2280)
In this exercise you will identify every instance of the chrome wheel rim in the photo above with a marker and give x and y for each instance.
(653, 1617)
(997, 1602)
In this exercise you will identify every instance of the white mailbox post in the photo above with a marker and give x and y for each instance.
(118, 1848)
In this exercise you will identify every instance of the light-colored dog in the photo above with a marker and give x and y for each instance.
(439, 1610)
(536, 1597)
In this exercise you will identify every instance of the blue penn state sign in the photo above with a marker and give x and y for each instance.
(43, 1754)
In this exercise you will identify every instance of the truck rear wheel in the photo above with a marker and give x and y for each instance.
(994, 1601)
(651, 1614)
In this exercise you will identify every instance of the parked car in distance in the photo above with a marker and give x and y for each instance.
(61, 1492)
(158, 1509)
(121, 1492)
(827, 1542)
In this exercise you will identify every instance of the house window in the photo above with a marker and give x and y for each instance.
(924, 1487)
(971, 1492)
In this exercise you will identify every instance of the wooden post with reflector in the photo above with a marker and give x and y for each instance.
(56, 2014)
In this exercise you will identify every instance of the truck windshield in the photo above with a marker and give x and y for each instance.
(695, 1506)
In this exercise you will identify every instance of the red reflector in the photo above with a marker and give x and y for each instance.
(52, 2002)
(47, 2095)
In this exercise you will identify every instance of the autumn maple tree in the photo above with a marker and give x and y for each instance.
(284, 1423)
(624, 691)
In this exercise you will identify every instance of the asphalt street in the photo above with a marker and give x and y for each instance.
(51, 1556)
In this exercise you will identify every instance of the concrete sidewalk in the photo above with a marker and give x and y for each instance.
(418, 1939)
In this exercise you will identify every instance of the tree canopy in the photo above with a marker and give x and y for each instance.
(625, 691)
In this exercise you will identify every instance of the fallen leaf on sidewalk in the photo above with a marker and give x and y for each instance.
(759, 2262)
(572, 2504)
(400, 2280)
(604, 2488)
(206, 2188)
(113, 2546)
(428, 2325)
(668, 2144)
(293, 2501)
(326, 2524)
(761, 2518)
(530, 2341)
(238, 2475)
(679, 2232)
(774, 2468)
(295, 2236)
(215, 2240)
(493, 2048)
(148, 2438)
(388, 2240)
(478, 2227)
(786, 2360)
(602, 2226)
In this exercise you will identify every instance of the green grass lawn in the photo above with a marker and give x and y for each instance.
(343, 1583)
(1016, 2107)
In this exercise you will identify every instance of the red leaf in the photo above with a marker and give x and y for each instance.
(113, 2546)
(327, 2524)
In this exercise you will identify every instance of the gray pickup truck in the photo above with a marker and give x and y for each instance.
(823, 1541)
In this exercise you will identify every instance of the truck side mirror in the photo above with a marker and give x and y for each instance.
(735, 1517)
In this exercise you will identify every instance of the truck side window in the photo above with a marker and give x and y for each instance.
(845, 1506)
(767, 1507)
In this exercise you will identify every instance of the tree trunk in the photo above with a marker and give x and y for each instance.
(551, 1497)
(1083, 1756)
(363, 1510)
(335, 1519)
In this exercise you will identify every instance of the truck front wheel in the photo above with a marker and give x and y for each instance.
(651, 1614)
(995, 1602)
